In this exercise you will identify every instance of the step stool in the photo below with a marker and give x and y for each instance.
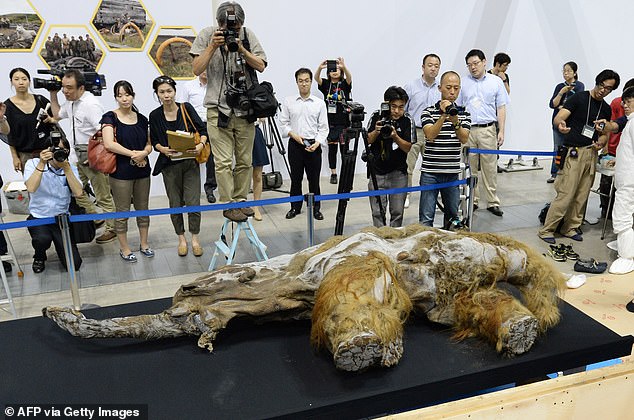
(10, 258)
(229, 252)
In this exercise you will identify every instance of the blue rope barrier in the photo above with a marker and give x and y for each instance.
(510, 152)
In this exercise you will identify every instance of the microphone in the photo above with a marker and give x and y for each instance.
(42, 115)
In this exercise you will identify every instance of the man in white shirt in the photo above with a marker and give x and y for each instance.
(85, 112)
(194, 92)
(304, 119)
(485, 98)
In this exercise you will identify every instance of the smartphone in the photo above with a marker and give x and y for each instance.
(331, 66)
(307, 143)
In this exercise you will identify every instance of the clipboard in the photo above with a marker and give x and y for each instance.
(184, 144)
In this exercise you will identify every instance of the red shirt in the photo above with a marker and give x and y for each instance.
(617, 112)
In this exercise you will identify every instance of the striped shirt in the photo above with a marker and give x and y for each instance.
(443, 154)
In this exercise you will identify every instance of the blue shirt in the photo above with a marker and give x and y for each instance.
(482, 97)
(421, 96)
(52, 197)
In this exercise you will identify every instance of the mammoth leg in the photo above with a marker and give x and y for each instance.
(497, 316)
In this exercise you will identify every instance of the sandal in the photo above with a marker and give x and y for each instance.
(128, 258)
(148, 252)
(590, 266)
(568, 252)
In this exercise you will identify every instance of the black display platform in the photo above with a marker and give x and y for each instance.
(260, 371)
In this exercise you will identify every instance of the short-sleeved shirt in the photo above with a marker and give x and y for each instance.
(443, 154)
(421, 95)
(132, 137)
(194, 92)
(216, 83)
(617, 112)
(578, 88)
(581, 115)
(482, 97)
(24, 136)
(335, 94)
(52, 197)
(388, 157)
(85, 114)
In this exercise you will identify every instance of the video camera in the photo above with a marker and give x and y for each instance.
(95, 82)
(355, 112)
(231, 33)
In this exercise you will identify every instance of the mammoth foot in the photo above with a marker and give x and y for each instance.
(517, 335)
(365, 350)
(67, 318)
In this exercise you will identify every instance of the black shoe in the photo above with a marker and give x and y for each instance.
(38, 266)
(496, 210)
(475, 207)
(333, 178)
(318, 215)
(7, 266)
(292, 213)
(211, 198)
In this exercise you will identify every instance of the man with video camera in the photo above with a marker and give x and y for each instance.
(51, 180)
(446, 128)
(231, 53)
(390, 136)
(85, 112)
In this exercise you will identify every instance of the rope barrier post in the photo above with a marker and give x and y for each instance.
(63, 222)
(472, 185)
(310, 221)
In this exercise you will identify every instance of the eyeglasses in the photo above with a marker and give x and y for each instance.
(604, 87)
(474, 63)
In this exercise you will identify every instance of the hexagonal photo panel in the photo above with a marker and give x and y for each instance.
(122, 25)
(71, 46)
(170, 51)
(20, 26)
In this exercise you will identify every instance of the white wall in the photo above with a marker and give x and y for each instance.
(383, 43)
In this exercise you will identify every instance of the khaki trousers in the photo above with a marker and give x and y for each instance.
(101, 187)
(130, 191)
(484, 138)
(234, 141)
(412, 156)
(572, 185)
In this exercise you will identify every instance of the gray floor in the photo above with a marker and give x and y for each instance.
(523, 194)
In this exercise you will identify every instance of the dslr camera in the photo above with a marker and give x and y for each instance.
(386, 122)
(453, 109)
(95, 82)
(231, 32)
(236, 92)
(59, 153)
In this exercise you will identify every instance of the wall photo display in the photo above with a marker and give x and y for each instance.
(71, 46)
(170, 51)
(20, 26)
(123, 25)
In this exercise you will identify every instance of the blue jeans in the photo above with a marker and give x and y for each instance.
(450, 198)
(558, 140)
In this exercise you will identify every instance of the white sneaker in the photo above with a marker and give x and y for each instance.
(614, 245)
(407, 201)
(622, 266)
(576, 281)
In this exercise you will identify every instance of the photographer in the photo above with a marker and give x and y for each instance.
(390, 136)
(230, 53)
(446, 128)
(50, 180)
(85, 112)
(336, 89)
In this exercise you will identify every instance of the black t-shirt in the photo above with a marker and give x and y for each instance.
(335, 93)
(581, 116)
(24, 137)
(132, 137)
(388, 156)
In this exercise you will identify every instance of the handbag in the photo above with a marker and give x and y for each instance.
(99, 158)
(82, 232)
(204, 154)
(262, 99)
(272, 180)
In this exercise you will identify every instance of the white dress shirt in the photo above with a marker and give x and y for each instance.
(421, 95)
(482, 97)
(85, 114)
(305, 117)
(194, 92)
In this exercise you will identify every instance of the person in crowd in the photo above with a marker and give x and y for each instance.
(485, 98)
(4, 249)
(501, 63)
(446, 129)
(260, 160)
(180, 176)
(85, 111)
(193, 92)
(422, 92)
(624, 196)
(231, 129)
(563, 91)
(336, 88)
(575, 120)
(304, 120)
(50, 183)
(20, 120)
(130, 182)
(390, 136)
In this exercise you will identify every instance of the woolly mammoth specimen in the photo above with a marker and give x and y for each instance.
(359, 291)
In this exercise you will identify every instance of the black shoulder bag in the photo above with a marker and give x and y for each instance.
(261, 95)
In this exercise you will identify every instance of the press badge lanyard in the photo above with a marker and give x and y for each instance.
(588, 130)
(332, 103)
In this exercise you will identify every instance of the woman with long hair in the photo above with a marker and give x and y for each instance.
(125, 133)
(28, 135)
(180, 176)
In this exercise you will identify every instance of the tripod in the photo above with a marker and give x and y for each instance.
(273, 138)
(348, 162)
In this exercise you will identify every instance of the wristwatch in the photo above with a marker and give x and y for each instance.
(457, 126)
